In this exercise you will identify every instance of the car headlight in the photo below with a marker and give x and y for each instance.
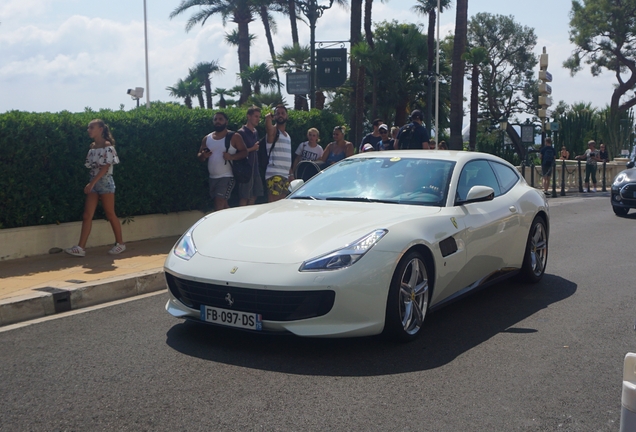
(346, 256)
(185, 247)
(620, 179)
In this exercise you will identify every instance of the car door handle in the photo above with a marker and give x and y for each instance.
(512, 209)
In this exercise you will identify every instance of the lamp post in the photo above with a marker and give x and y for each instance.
(146, 49)
(312, 11)
(439, 17)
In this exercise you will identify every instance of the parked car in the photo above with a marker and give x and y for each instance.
(624, 190)
(367, 246)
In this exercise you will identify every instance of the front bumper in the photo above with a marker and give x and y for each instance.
(624, 195)
(351, 301)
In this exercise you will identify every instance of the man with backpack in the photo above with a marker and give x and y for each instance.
(250, 190)
(413, 135)
(217, 149)
(547, 156)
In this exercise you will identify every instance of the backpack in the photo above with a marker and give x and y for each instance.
(241, 169)
(548, 156)
(263, 154)
(407, 137)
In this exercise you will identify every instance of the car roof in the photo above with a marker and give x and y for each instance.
(449, 155)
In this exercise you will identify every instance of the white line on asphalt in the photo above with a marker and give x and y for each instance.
(78, 311)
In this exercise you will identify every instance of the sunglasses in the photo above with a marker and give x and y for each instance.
(382, 131)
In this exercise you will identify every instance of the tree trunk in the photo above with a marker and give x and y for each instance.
(270, 41)
(368, 7)
(208, 92)
(244, 58)
(201, 100)
(356, 28)
(474, 106)
(188, 102)
(457, 77)
(294, 22)
(430, 43)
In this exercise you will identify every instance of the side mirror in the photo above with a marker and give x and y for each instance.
(630, 164)
(295, 184)
(479, 194)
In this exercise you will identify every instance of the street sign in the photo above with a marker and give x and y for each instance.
(544, 75)
(545, 101)
(298, 83)
(527, 134)
(331, 67)
(545, 88)
(554, 126)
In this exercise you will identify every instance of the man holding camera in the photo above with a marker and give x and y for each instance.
(214, 152)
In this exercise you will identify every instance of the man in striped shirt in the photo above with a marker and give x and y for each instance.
(279, 165)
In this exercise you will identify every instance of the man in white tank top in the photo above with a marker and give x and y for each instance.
(279, 166)
(213, 151)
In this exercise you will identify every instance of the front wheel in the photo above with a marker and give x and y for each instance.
(620, 211)
(536, 256)
(407, 302)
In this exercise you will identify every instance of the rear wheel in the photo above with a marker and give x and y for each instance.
(408, 298)
(536, 256)
(620, 211)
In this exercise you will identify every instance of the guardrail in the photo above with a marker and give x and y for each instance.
(568, 175)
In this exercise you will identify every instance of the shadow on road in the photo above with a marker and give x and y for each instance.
(448, 333)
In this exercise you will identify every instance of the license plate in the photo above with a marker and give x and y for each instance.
(252, 321)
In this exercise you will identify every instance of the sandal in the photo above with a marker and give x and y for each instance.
(75, 251)
(117, 249)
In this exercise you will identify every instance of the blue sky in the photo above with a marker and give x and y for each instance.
(70, 54)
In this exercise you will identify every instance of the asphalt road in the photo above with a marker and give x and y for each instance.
(512, 357)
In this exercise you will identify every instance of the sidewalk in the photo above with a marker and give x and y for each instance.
(42, 285)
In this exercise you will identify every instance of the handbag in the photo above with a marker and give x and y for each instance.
(241, 169)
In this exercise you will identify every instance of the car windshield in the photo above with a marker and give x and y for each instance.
(381, 179)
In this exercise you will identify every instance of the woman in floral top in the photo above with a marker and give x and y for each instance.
(100, 160)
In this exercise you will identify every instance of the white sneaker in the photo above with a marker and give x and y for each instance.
(593, 189)
(75, 251)
(117, 249)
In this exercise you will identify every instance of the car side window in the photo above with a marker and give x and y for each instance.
(476, 173)
(506, 175)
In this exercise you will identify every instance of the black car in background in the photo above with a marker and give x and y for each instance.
(624, 190)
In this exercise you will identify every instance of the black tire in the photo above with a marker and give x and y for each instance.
(408, 298)
(536, 255)
(620, 211)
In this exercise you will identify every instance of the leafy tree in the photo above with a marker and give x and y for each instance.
(196, 86)
(202, 72)
(221, 93)
(457, 76)
(241, 12)
(259, 75)
(604, 33)
(506, 81)
(186, 90)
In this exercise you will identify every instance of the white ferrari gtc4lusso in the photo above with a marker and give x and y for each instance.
(367, 246)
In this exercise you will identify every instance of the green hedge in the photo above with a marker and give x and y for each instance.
(42, 173)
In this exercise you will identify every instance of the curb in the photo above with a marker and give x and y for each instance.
(41, 302)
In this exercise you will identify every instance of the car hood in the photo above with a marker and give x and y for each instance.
(626, 176)
(292, 231)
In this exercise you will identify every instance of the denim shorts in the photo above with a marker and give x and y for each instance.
(104, 185)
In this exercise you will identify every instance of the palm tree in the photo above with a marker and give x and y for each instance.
(182, 89)
(233, 38)
(238, 11)
(221, 93)
(264, 8)
(429, 7)
(476, 58)
(457, 76)
(259, 75)
(357, 76)
(196, 85)
(202, 71)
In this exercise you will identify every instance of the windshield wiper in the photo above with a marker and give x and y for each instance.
(306, 197)
(362, 199)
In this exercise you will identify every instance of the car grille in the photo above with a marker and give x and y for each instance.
(627, 193)
(272, 305)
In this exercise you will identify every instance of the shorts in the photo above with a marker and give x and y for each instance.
(104, 185)
(221, 187)
(277, 185)
(252, 188)
(546, 169)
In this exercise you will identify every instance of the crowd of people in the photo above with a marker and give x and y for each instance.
(268, 165)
